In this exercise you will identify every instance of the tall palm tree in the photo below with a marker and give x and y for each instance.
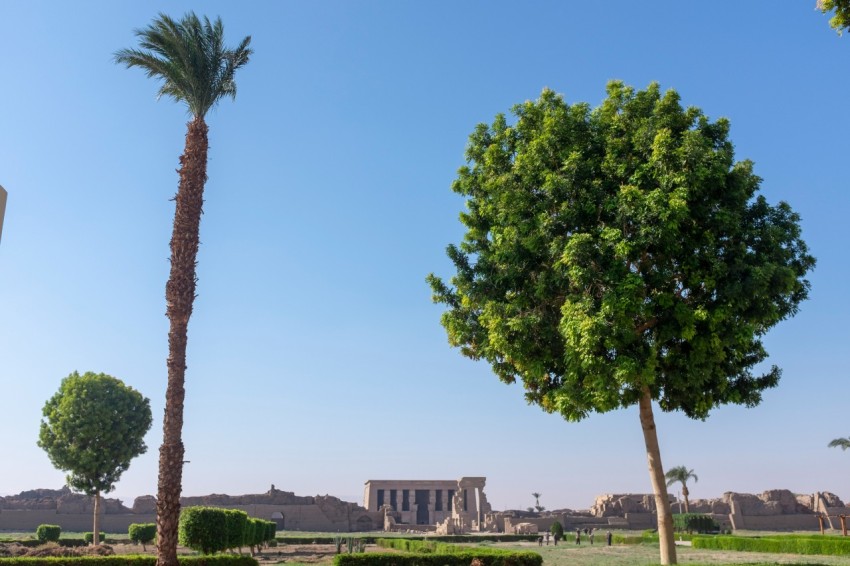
(843, 443)
(681, 474)
(536, 497)
(196, 68)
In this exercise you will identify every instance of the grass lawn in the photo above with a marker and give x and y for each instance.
(647, 553)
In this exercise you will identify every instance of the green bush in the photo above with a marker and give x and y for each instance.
(428, 552)
(142, 533)
(235, 522)
(89, 537)
(464, 558)
(204, 529)
(791, 544)
(695, 522)
(138, 560)
(473, 539)
(48, 533)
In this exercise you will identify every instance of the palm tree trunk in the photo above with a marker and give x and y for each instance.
(179, 296)
(685, 497)
(659, 486)
(96, 527)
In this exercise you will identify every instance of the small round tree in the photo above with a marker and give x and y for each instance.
(557, 531)
(92, 427)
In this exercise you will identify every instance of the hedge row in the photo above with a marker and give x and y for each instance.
(214, 529)
(694, 522)
(488, 556)
(464, 558)
(219, 560)
(495, 537)
(830, 545)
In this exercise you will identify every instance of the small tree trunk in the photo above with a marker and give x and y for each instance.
(96, 527)
(685, 494)
(656, 474)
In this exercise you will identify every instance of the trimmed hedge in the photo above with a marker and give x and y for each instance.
(203, 529)
(694, 522)
(792, 544)
(215, 529)
(138, 560)
(434, 552)
(472, 539)
(48, 533)
(464, 558)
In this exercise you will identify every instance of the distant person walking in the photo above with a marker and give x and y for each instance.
(578, 536)
(609, 537)
(591, 535)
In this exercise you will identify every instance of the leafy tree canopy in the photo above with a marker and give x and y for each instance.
(619, 250)
(840, 20)
(92, 427)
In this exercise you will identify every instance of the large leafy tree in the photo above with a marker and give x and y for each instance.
(843, 443)
(681, 474)
(92, 427)
(619, 256)
(195, 67)
(840, 9)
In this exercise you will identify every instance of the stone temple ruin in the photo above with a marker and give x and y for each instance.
(453, 506)
(436, 506)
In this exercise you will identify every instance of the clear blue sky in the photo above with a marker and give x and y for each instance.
(316, 359)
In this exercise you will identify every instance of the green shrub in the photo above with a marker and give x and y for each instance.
(426, 552)
(235, 523)
(695, 522)
(142, 533)
(464, 558)
(48, 533)
(204, 529)
(791, 544)
(89, 538)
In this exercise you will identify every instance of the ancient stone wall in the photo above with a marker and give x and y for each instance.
(74, 512)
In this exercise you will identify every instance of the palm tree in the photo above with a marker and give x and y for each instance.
(681, 474)
(843, 443)
(536, 497)
(196, 68)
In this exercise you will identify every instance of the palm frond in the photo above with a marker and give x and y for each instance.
(843, 443)
(190, 58)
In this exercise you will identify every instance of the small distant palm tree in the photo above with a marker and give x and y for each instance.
(536, 497)
(843, 443)
(681, 474)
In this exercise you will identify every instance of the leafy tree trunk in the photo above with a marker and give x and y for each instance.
(96, 526)
(685, 497)
(659, 486)
(179, 296)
